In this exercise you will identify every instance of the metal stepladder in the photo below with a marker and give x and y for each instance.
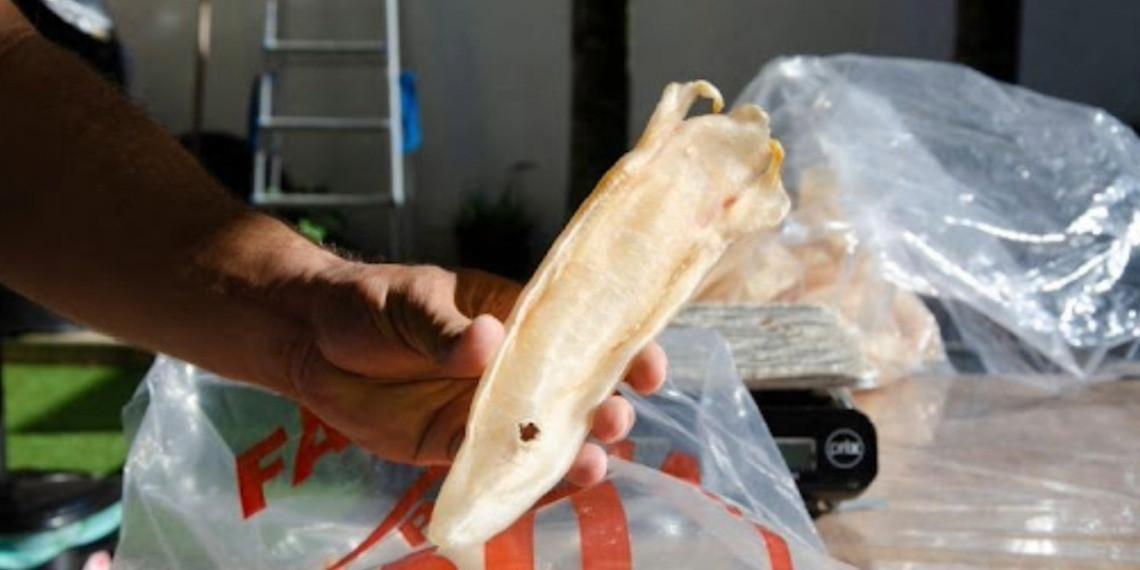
(270, 127)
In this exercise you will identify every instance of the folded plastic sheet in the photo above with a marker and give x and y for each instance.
(985, 472)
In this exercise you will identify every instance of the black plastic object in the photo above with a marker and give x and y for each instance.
(38, 501)
(104, 55)
(18, 316)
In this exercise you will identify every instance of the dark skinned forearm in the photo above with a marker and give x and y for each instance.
(107, 220)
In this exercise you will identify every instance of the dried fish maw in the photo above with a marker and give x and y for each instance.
(632, 255)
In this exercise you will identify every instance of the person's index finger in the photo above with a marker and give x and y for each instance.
(473, 350)
(647, 372)
(478, 293)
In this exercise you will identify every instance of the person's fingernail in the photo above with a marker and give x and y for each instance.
(453, 446)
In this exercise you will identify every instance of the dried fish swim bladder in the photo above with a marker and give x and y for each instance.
(631, 256)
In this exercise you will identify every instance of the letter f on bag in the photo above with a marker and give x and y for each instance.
(252, 476)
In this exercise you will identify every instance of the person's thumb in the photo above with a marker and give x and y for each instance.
(467, 353)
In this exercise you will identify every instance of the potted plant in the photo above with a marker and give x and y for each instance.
(494, 233)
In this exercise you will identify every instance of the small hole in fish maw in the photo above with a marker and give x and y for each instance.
(529, 431)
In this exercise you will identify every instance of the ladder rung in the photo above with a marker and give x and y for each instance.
(323, 123)
(325, 47)
(321, 200)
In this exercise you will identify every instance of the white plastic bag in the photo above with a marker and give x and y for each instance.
(1020, 212)
(228, 476)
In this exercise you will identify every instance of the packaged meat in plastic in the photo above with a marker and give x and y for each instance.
(1015, 212)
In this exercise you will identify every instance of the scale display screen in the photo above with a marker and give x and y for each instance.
(799, 453)
(829, 446)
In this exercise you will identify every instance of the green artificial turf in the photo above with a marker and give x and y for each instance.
(67, 417)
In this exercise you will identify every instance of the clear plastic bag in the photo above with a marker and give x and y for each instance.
(1018, 211)
(228, 476)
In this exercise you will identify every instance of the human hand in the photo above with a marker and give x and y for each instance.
(395, 353)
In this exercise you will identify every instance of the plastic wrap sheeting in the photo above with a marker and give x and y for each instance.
(985, 473)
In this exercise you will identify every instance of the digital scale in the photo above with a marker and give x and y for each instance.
(829, 446)
(799, 364)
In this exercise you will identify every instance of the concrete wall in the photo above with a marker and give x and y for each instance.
(494, 79)
(1085, 51)
(160, 42)
(727, 41)
(495, 90)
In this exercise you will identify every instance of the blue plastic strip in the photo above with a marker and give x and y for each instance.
(410, 119)
(26, 551)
